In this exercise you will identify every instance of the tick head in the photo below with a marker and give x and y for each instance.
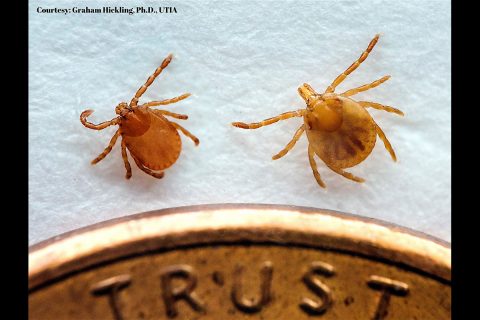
(307, 93)
(122, 109)
(325, 113)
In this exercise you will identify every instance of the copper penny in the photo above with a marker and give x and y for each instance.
(240, 262)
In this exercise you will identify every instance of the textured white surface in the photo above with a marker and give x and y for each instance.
(242, 61)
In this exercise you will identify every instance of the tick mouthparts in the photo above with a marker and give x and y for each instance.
(306, 91)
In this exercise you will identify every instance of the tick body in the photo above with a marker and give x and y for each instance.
(152, 140)
(340, 130)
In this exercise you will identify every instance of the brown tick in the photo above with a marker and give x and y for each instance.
(339, 129)
(153, 140)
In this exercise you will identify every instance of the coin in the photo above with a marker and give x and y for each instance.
(239, 262)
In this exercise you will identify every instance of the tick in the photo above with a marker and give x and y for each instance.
(152, 140)
(340, 130)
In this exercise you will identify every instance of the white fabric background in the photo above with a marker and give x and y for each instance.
(242, 61)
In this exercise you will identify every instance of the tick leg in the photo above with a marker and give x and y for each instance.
(341, 77)
(291, 144)
(365, 87)
(108, 148)
(266, 122)
(166, 101)
(379, 106)
(158, 175)
(150, 80)
(313, 164)
(347, 175)
(128, 175)
(100, 126)
(387, 144)
(186, 132)
(171, 114)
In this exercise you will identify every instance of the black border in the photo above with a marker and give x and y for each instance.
(463, 225)
(15, 157)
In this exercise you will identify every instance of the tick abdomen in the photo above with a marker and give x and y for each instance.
(158, 147)
(351, 143)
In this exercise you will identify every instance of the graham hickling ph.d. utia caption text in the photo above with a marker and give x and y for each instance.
(114, 10)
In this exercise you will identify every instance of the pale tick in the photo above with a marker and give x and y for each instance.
(339, 129)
